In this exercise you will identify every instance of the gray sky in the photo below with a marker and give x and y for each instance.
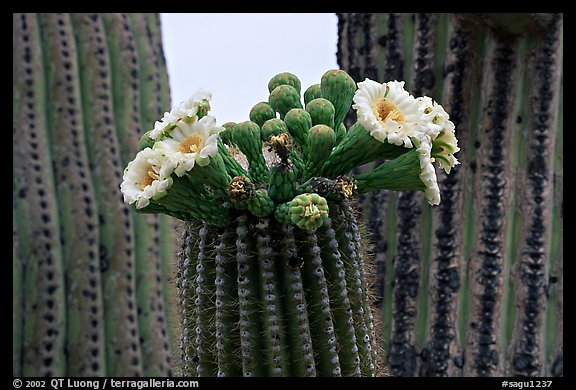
(235, 55)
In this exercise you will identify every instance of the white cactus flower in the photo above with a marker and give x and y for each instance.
(191, 143)
(388, 112)
(146, 177)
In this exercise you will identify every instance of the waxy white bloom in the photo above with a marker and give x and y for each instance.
(190, 107)
(169, 119)
(434, 118)
(146, 177)
(444, 147)
(186, 110)
(440, 128)
(388, 112)
(191, 143)
(427, 171)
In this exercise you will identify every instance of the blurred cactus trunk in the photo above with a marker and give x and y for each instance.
(89, 276)
(472, 287)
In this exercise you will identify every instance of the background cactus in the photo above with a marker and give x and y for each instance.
(472, 287)
(90, 278)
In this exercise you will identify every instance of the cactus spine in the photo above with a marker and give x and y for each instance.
(77, 249)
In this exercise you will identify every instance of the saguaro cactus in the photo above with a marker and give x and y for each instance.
(88, 286)
(272, 274)
(490, 253)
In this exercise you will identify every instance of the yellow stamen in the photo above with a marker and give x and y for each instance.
(151, 175)
(346, 186)
(191, 144)
(384, 109)
(311, 210)
(280, 140)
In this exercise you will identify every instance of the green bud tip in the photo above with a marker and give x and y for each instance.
(261, 112)
(226, 134)
(283, 98)
(311, 93)
(284, 78)
(272, 127)
(321, 131)
(146, 141)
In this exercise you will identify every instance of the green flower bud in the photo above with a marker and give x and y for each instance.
(226, 134)
(282, 213)
(284, 78)
(321, 141)
(261, 112)
(312, 92)
(340, 132)
(282, 182)
(272, 127)
(283, 98)
(321, 111)
(246, 135)
(338, 87)
(298, 121)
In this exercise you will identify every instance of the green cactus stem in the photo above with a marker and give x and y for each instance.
(123, 353)
(251, 347)
(40, 263)
(298, 121)
(358, 147)
(398, 174)
(246, 136)
(469, 288)
(294, 304)
(226, 134)
(321, 140)
(340, 132)
(233, 168)
(214, 175)
(204, 310)
(283, 176)
(226, 297)
(281, 300)
(338, 87)
(190, 197)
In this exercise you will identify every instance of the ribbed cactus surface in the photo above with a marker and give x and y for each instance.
(88, 278)
(262, 298)
(472, 287)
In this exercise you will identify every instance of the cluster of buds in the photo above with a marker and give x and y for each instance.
(290, 156)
